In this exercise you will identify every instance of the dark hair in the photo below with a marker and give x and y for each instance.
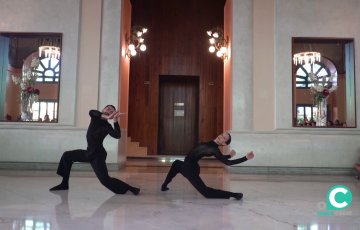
(111, 106)
(228, 141)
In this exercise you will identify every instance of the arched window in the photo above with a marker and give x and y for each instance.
(302, 74)
(48, 70)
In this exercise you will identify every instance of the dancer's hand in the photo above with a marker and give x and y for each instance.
(232, 153)
(111, 116)
(117, 115)
(250, 155)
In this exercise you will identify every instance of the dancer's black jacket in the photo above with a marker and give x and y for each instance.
(190, 169)
(95, 154)
(208, 149)
(97, 131)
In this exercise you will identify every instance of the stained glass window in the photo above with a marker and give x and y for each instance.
(48, 70)
(302, 74)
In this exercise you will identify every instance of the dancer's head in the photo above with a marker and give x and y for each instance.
(108, 110)
(330, 123)
(223, 139)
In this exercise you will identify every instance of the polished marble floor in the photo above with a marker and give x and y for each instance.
(270, 202)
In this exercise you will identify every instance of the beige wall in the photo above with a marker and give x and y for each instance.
(89, 55)
(264, 92)
(48, 91)
(124, 64)
(228, 65)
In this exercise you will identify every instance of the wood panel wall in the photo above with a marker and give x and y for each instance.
(177, 44)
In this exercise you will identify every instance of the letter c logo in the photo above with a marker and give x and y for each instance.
(332, 198)
(339, 197)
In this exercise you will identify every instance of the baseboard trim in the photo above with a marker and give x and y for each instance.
(54, 166)
(292, 170)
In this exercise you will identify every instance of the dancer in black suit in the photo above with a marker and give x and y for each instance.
(95, 154)
(191, 169)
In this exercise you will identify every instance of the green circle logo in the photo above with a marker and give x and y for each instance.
(339, 197)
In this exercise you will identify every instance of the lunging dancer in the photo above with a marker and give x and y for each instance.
(191, 169)
(95, 154)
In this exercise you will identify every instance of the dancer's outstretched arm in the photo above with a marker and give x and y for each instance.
(95, 114)
(98, 114)
(227, 162)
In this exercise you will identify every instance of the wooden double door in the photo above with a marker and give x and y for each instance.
(178, 114)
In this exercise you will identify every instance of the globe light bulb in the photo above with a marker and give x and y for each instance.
(131, 47)
(212, 49)
(219, 54)
(215, 35)
(133, 52)
(139, 34)
(223, 49)
(209, 32)
(143, 47)
(212, 40)
(141, 40)
(144, 30)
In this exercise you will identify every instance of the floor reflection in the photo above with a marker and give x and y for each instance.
(109, 205)
(31, 224)
(328, 227)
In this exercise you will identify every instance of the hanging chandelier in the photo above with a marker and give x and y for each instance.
(306, 58)
(218, 42)
(50, 48)
(135, 41)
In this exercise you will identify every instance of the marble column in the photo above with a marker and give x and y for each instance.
(110, 54)
(109, 89)
(89, 59)
(242, 70)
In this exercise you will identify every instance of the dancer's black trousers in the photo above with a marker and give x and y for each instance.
(99, 166)
(192, 172)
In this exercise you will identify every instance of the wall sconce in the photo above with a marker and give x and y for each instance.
(218, 42)
(134, 41)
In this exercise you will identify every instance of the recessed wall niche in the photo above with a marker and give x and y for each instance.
(324, 90)
(29, 76)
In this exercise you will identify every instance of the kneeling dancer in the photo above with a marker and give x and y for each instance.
(191, 169)
(95, 153)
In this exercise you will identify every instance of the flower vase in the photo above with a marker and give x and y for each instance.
(26, 107)
(321, 113)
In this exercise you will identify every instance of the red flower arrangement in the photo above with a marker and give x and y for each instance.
(37, 92)
(326, 92)
(30, 89)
